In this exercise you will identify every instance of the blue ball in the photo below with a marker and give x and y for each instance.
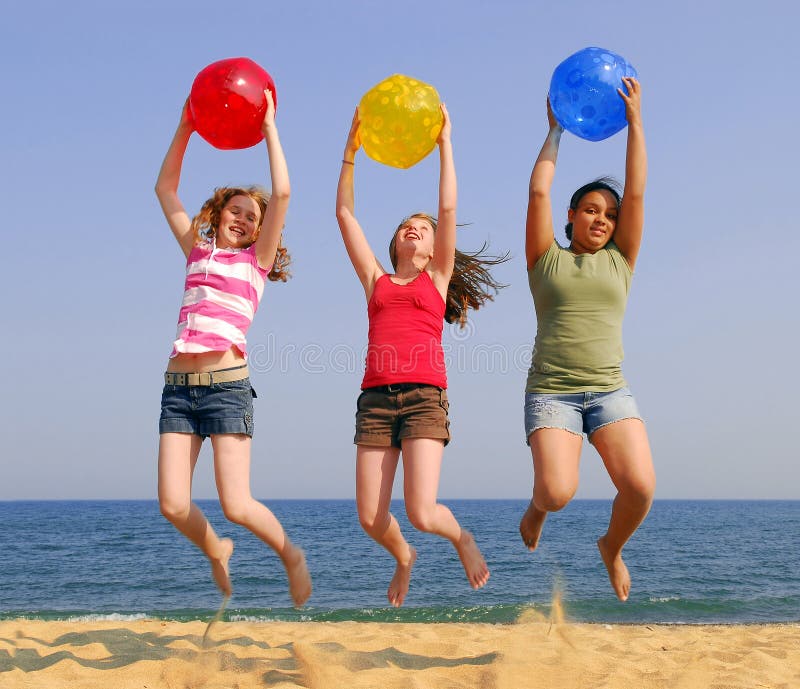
(583, 93)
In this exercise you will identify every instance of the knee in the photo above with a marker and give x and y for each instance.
(640, 490)
(235, 511)
(421, 517)
(373, 519)
(368, 522)
(173, 509)
(553, 499)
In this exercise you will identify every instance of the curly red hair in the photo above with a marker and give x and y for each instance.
(205, 223)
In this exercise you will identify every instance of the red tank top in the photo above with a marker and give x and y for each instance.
(405, 334)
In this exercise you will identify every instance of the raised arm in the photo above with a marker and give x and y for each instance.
(444, 245)
(361, 255)
(168, 179)
(266, 245)
(630, 222)
(539, 222)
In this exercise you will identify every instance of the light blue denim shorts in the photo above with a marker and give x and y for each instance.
(578, 413)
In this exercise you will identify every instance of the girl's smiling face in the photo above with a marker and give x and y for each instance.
(239, 222)
(593, 221)
(415, 232)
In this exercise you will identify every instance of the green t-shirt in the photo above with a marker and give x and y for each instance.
(580, 301)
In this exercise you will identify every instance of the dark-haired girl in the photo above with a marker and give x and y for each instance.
(575, 384)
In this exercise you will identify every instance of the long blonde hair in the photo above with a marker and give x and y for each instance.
(205, 223)
(471, 284)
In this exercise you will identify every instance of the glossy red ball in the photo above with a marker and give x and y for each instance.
(227, 102)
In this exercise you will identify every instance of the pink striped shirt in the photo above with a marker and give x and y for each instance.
(222, 292)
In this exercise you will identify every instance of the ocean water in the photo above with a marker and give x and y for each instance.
(690, 562)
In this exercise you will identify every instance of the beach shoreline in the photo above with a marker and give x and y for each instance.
(534, 652)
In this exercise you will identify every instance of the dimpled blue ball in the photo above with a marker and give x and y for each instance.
(583, 93)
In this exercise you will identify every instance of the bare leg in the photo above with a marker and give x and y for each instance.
(375, 472)
(177, 457)
(625, 450)
(232, 472)
(422, 462)
(556, 459)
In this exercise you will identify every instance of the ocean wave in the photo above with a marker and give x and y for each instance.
(108, 617)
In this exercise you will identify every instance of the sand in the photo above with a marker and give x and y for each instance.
(535, 653)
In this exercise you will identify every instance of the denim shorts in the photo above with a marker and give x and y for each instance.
(385, 416)
(578, 413)
(206, 410)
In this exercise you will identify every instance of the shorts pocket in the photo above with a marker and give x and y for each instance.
(242, 385)
(369, 400)
(444, 403)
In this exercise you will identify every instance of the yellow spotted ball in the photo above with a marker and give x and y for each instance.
(400, 121)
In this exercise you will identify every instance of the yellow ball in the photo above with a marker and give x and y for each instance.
(400, 121)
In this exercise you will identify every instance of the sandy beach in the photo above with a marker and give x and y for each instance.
(532, 653)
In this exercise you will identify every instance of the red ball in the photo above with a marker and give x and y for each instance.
(227, 102)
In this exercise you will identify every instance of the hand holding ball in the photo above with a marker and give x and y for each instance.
(400, 121)
(227, 102)
(583, 93)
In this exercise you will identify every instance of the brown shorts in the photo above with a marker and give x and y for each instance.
(388, 414)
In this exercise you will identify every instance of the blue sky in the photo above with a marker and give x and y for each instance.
(92, 281)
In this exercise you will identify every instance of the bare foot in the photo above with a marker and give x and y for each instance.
(617, 571)
(219, 566)
(530, 526)
(472, 560)
(299, 578)
(398, 586)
